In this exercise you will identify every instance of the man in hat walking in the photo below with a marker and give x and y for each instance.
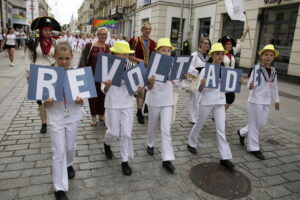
(143, 47)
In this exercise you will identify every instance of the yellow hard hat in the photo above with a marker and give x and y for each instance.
(269, 47)
(216, 47)
(121, 47)
(164, 42)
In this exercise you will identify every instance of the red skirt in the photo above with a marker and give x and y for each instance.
(97, 104)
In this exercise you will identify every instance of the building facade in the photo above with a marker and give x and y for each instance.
(85, 16)
(271, 22)
(120, 10)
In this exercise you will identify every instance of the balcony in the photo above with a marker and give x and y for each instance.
(117, 13)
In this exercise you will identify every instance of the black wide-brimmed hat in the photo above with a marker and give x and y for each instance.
(227, 38)
(41, 22)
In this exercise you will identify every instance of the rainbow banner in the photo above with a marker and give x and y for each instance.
(101, 23)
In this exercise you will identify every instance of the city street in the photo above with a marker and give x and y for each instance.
(26, 158)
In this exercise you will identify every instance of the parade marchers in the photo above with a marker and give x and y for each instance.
(115, 106)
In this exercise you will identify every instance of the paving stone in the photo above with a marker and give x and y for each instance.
(294, 186)
(21, 165)
(9, 174)
(278, 191)
(274, 180)
(8, 194)
(292, 176)
(272, 170)
(14, 183)
(34, 190)
(8, 160)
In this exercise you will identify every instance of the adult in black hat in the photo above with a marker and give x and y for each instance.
(40, 51)
(232, 48)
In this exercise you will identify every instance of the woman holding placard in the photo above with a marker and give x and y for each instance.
(40, 51)
(89, 58)
(198, 63)
(232, 48)
(212, 101)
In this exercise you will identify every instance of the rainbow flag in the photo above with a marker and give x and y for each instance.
(101, 23)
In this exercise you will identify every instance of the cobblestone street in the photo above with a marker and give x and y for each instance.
(26, 158)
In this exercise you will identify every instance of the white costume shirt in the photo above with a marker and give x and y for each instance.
(211, 96)
(261, 94)
(117, 97)
(196, 61)
(55, 113)
(231, 62)
(161, 94)
(40, 58)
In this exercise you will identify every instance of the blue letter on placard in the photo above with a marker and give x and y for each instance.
(230, 80)
(180, 67)
(159, 66)
(212, 74)
(135, 77)
(79, 82)
(109, 67)
(45, 82)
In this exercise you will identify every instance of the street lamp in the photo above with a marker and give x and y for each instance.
(179, 41)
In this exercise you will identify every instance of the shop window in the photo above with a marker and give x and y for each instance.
(175, 29)
(204, 28)
(278, 28)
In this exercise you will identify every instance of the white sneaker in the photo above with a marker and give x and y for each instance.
(12, 64)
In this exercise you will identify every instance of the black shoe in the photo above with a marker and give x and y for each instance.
(191, 122)
(258, 155)
(71, 172)
(191, 149)
(140, 117)
(43, 129)
(145, 108)
(213, 119)
(168, 166)
(228, 164)
(61, 195)
(242, 139)
(150, 150)
(108, 152)
(126, 169)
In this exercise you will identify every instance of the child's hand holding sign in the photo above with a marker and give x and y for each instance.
(107, 85)
(202, 84)
(151, 82)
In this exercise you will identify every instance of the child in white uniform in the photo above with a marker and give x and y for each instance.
(212, 101)
(259, 100)
(63, 120)
(119, 113)
(159, 99)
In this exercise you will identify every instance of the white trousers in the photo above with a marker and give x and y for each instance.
(219, 116)
(119, 123)
(257, 118)
(63, 138)
(162, 114)
(194, 97)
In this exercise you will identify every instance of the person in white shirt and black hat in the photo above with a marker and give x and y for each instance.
(40, 51)
(260, 99)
